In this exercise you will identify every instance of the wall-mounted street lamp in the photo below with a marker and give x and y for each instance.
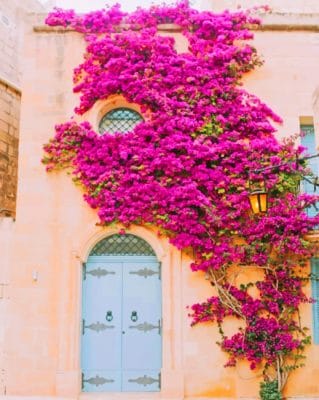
(259, 201)
(258, 197)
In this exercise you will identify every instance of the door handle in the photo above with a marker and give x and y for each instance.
(134, 316)
(109, 316)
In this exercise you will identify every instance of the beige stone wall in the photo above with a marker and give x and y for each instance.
(12, 25)
(13, 19)
(6, 245)
(283, 6)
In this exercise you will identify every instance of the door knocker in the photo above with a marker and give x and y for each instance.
(109, 316)
(134, 317)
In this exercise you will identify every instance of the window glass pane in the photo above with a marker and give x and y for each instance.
(308, 140)
(119, 120)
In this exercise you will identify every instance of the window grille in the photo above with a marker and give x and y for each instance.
(119, 120)
(122, 245)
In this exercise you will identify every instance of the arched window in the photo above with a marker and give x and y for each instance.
(119, 120)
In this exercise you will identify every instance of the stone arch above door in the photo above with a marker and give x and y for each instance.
(70, 319)
(92, 236)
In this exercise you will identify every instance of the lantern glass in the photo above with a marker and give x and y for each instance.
(259, 201)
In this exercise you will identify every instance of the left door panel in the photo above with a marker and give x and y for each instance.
(101, 327)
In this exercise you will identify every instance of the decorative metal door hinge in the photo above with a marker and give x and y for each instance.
(146, 380)
(96, 380)
(146, 327)
(145, 272)
(97, 327)
(99, 272)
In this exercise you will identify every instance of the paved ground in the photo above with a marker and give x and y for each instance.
(126, 396)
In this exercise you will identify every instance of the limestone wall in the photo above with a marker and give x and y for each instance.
(6, 240)
(283, 6)
(12, 25)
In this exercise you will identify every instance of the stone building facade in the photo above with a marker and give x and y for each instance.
(296, 8)
(45, 250)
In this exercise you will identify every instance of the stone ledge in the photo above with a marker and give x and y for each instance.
(289, 22)
(135, 396)
(270, 22)
(10, 85)
(58, 29)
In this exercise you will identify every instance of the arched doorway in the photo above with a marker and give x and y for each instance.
(121, 317)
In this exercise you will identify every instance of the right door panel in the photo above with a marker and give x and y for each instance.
(142, 324)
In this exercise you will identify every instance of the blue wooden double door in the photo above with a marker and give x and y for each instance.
(121, 324)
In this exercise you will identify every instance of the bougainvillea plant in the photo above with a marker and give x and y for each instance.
(186, 168)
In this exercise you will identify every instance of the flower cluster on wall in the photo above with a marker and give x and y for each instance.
(185, 169)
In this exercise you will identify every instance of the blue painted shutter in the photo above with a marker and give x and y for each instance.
(309, 141)
(315, 295)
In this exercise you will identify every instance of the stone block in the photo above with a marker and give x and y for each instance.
(3, 147)
(4, 126)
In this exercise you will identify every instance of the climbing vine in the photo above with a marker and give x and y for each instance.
(186, 168)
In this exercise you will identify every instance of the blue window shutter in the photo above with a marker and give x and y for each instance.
(315, 295)
(309, 141)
